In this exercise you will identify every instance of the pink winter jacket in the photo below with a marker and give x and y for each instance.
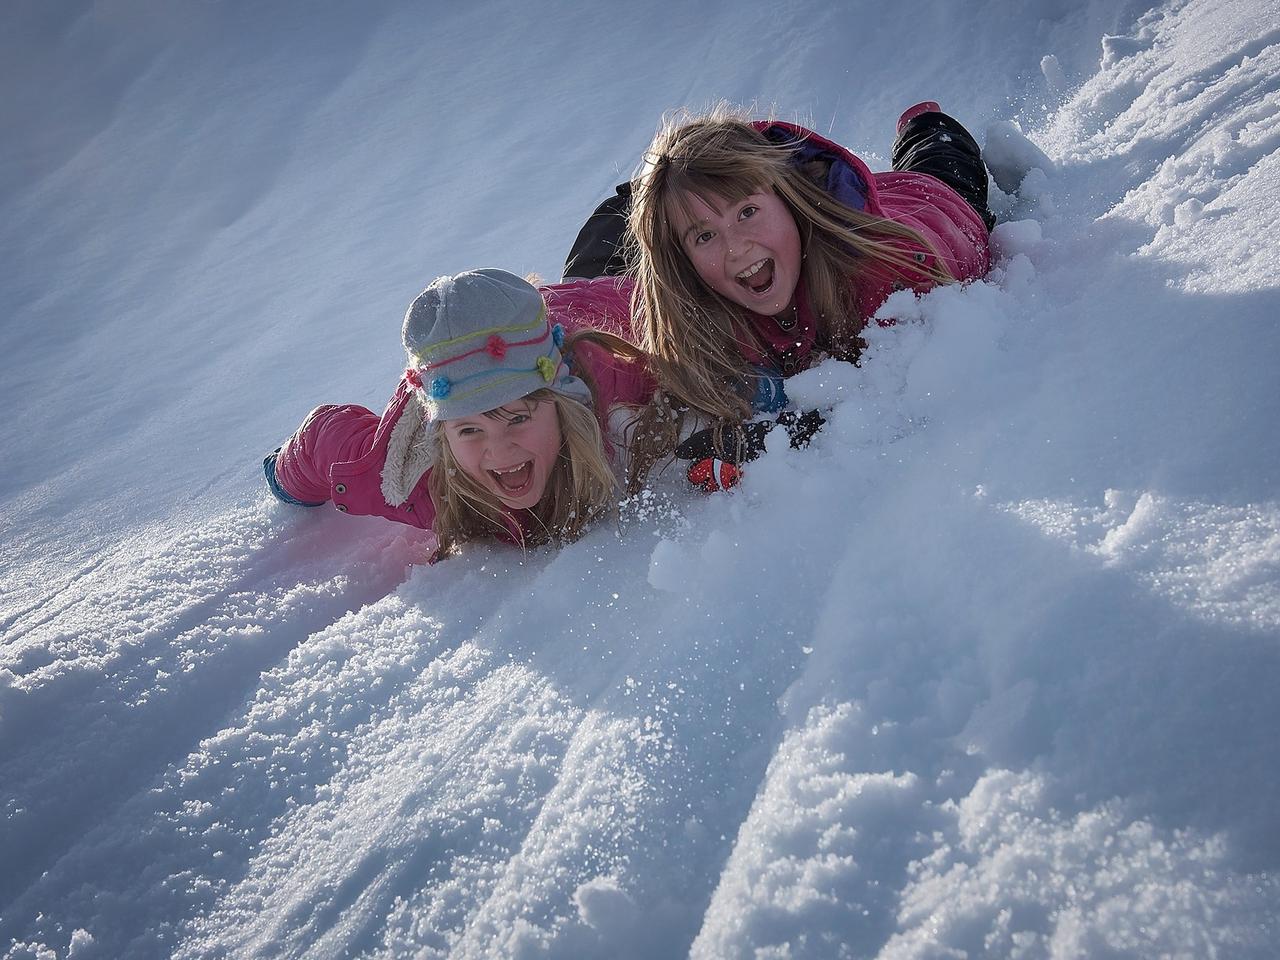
(340, 452)
(916, 200)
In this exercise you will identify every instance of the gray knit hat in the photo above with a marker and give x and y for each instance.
(480, 340)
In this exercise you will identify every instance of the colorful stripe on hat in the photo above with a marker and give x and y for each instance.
(489, 334)
(439, 387)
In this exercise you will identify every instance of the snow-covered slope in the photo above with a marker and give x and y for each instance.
(989, 670)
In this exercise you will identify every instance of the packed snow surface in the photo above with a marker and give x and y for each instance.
(990, 670)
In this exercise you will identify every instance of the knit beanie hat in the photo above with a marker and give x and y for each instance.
(480, 340)
(475, 342)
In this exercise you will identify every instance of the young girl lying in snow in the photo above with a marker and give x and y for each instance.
(760, 247)
(495, 430)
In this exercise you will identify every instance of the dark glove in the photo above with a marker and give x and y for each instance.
(801, 427)
(739, 443)
(714, 469)
(742, 443)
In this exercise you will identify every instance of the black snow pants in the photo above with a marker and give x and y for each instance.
(937, 144)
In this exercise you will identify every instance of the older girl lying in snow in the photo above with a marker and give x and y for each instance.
(497, 429)
(760, 247)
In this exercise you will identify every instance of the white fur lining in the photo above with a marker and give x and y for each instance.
(409, 453)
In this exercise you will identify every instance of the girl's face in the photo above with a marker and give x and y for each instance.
(509, 451)
(747, 251)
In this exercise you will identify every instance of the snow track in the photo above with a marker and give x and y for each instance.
(134, 662)
(988, 670)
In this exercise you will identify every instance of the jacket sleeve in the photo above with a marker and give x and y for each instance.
(330, 434)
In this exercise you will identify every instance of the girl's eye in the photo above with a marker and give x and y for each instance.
(467, 431)
(747, 212)
(704, 237)
(518, 419)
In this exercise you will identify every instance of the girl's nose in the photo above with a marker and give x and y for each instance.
(499, 444)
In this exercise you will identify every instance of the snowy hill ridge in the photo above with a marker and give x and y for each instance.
(989, 670)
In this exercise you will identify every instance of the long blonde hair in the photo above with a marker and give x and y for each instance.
(691, 333)
(581, 489)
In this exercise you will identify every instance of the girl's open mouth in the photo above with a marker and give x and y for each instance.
(514, 480)
(758, 278)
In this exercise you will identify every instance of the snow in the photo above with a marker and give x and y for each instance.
(988, 670)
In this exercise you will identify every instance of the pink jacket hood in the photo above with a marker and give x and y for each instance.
(916, 200)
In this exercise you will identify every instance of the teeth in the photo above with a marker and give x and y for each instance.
(514, 469)
(752, 270)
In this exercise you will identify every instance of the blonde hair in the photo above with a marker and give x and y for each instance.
(581, 489)
(693, 334)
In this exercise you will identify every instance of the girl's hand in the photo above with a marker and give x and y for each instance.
(739, 443)
(742, 443)
(718, 466)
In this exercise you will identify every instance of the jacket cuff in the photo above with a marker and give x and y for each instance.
(269, 468)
